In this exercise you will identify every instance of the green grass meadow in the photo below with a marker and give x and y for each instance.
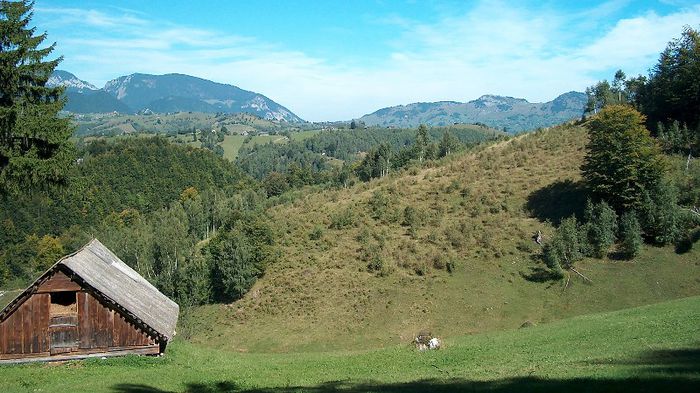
(650, 348)
(233, 143)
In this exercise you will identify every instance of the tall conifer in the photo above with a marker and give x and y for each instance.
(34, 146)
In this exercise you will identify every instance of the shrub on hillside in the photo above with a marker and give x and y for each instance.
(564, 249)
(316, 233)
(343, 219)
(238, 256)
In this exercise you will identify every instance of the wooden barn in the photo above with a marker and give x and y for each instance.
(88, 304)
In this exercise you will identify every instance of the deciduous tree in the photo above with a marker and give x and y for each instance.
(622, 160)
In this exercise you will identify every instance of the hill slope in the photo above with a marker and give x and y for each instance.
(652, 349)
(514, 114)
(474, 215)
(97, 101)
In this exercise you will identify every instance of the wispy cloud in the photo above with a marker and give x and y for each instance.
(493, 48)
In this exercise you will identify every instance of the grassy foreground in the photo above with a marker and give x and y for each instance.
(649, 348)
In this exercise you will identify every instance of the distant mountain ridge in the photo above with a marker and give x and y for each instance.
(166, 93)
(513, 114)
(70, 82)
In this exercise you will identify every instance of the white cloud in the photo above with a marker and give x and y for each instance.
(494, 48)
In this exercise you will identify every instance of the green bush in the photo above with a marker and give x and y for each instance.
(376, 263)
(564, 249)
(343, 219)
(316, 233)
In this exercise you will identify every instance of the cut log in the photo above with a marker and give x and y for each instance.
(582, 276)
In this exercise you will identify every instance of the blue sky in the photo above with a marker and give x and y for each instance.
(337, 60)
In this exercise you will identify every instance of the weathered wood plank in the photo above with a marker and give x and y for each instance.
(36, 323)
(119, 337)
(27, 326)
(3, 337)
(63, 337)
(13, 343)
(84, 321)
(59, 282)
(101, 319)
(41, 304)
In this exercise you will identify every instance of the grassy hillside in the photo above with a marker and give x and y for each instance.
(352, 274)
(7, 296)
(172, 123)
(233, 143)
(179, 127)
(647, 349)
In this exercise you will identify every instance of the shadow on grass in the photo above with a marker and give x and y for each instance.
(686, 244)
(557, 201)
(540, 274)
(619, 256)
(524, 384)
(670, 361)
(655, 371)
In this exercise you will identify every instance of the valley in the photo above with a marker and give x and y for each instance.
(172, 232)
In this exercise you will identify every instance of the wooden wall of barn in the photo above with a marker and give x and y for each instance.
(40, 327)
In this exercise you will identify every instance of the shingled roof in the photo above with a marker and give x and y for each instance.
(96, 266)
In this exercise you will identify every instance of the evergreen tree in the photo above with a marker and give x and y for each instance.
(34, 146)
(618, 87)
(630, 235)
(673, 88)
(622, 160)
(422, 142)
(659, 214)
(599, 228)
(448, 144)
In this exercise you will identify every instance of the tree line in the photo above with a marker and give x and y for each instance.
(340, 157)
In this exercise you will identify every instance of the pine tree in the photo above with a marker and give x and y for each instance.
(630, 235)
(34, 146)
(448, 144)
(672, 91)
(659, 214)
(422, 142)
(599, 229)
